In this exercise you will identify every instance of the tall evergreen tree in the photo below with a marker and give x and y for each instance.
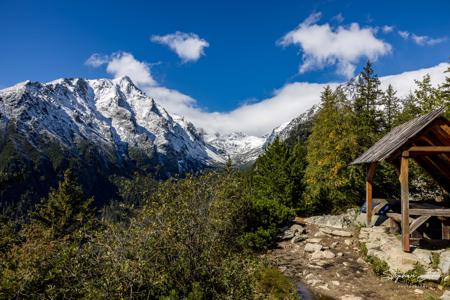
(444, 91)
(428, 97)
(391, 107)
(65, 210)
(367, 98)
(332, 145)
(272, 174)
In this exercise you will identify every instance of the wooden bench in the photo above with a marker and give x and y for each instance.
(423, 211)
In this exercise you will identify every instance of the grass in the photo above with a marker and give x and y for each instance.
(379, 266)
(435, 259)
(411, 277)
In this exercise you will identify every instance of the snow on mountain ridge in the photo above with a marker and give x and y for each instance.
(115, 113)
(107, 112)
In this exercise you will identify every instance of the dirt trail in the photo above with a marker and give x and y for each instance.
(345, 276)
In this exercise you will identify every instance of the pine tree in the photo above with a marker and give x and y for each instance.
(445, 87)
(272, 174)
(391, 107)
(367, 98)
(65, 209)
(332, 145)
(445, 93)
(429, 98)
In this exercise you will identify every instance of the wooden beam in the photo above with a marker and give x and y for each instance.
(427, 150)
(405, 200)
(417, 222)
(369, 181)
(433, 212)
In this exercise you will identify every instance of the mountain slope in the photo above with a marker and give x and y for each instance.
(115, 115)
(100, 128)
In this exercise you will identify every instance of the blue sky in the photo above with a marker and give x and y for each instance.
(245, 59)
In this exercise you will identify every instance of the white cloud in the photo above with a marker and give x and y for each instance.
(404, 82)
(344, 46)
(188, 46)
(96, 60)
(422, 40)
(256, 118)
(121, 64)
(124, 64)
(387, 28)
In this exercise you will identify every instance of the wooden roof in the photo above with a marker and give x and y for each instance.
(432, 129)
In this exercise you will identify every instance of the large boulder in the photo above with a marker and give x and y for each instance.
(335, 221)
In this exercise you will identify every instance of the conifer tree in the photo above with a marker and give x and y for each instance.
(331, 147)
(445, 87)
(367, 97)
(66, 209)
(272, 174)
(391, 107)
(428, 97)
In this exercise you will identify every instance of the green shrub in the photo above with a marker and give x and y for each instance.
(272, 284)
(379, 266)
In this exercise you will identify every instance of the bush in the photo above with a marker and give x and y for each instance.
(272, 284)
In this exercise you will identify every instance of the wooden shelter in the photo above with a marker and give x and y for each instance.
(426, 139)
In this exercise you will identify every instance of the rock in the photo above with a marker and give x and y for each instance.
(323, 287)
(336, 221)
(314, 240)
(314, 266)
(360, 260)
(319, 234)
(445, 295)
(333, 245)
(299, 220)
(444, 262)
(351, 297)
(297, 228)
(286, 235)
(313, 282)
(340, 254)
(348, 242)
(327, 254)
(430, 276)
(310, 247)
(340, 233)
(294, 230)
(335, 282)
(423, 255)
(417, 291)
(299, 238)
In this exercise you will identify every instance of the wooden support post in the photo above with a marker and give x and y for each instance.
(369, 180)
(445, 229)
(405, 201)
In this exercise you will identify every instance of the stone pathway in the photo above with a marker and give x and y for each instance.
(328, 262)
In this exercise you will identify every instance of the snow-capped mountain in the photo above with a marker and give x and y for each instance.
(298, 128)
(123, 122)
(238, 146)
(124, 125)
